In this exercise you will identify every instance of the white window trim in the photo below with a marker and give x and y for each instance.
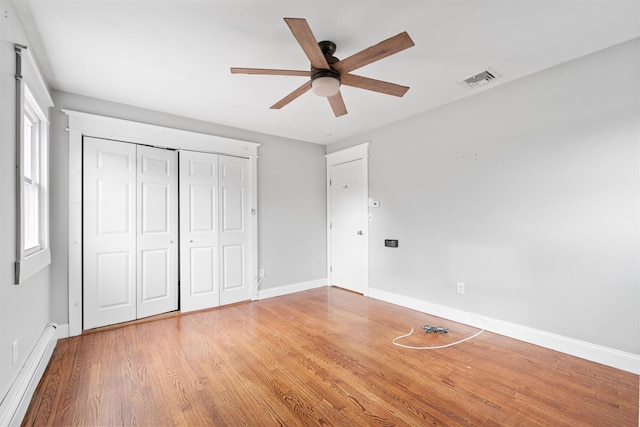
(27, 75)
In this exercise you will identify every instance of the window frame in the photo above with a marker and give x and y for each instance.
(32, 100)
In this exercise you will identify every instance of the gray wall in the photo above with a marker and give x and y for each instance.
(24, 309)
(291, 196)
(528, 193)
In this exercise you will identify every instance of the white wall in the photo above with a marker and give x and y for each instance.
(24, 309)
(291, 196)
(528, 193)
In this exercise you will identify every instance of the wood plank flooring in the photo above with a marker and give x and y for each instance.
(320, 357)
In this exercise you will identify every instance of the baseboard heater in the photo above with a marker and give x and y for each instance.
(15, 404)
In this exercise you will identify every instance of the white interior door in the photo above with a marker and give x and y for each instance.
(157, 231)
(109, 230)
(348, 226)
(199, 271)
(235, 230)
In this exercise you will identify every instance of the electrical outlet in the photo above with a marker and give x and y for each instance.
(14, 350)
(460, 288)
(261, 273)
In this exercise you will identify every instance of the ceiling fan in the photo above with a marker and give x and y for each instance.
(328, 72)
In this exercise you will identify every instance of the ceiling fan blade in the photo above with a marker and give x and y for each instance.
(373, 84)
(307, 41)
(293, 95)
(374, 53)
(337, 105)
(270, 72)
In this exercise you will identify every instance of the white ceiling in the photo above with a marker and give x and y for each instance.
(174, 56)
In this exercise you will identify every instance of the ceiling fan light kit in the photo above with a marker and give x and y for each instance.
(325, 83)
(328, 73)
(325, 86)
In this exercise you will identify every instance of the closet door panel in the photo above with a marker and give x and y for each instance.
(156, 270)
(233, 267)
(157, 237)
(109, 232)
(235, 237)
(202, 272)
(199, 254)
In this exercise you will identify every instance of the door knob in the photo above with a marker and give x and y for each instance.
(359, 232)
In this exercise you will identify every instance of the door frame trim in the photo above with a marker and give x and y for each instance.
(357, 152)
(85, 124)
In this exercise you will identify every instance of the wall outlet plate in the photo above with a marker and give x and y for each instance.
(460, 288)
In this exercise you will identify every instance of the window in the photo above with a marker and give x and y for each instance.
(32, 168)
(32, 131)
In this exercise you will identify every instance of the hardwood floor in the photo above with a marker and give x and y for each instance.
(320, 357)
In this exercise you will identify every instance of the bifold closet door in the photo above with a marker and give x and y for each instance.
(214, 230)
(199, 271)
(109, 232)
(130, 232)
(235, 230)
(157, 236)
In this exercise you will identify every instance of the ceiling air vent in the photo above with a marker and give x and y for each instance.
(480, 79)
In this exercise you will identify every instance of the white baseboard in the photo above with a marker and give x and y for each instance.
(289, 289)
(596, 353)
(63, 331)
(16, 402)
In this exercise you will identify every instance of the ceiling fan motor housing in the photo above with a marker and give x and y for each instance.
(319, 72)
(328, 48)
